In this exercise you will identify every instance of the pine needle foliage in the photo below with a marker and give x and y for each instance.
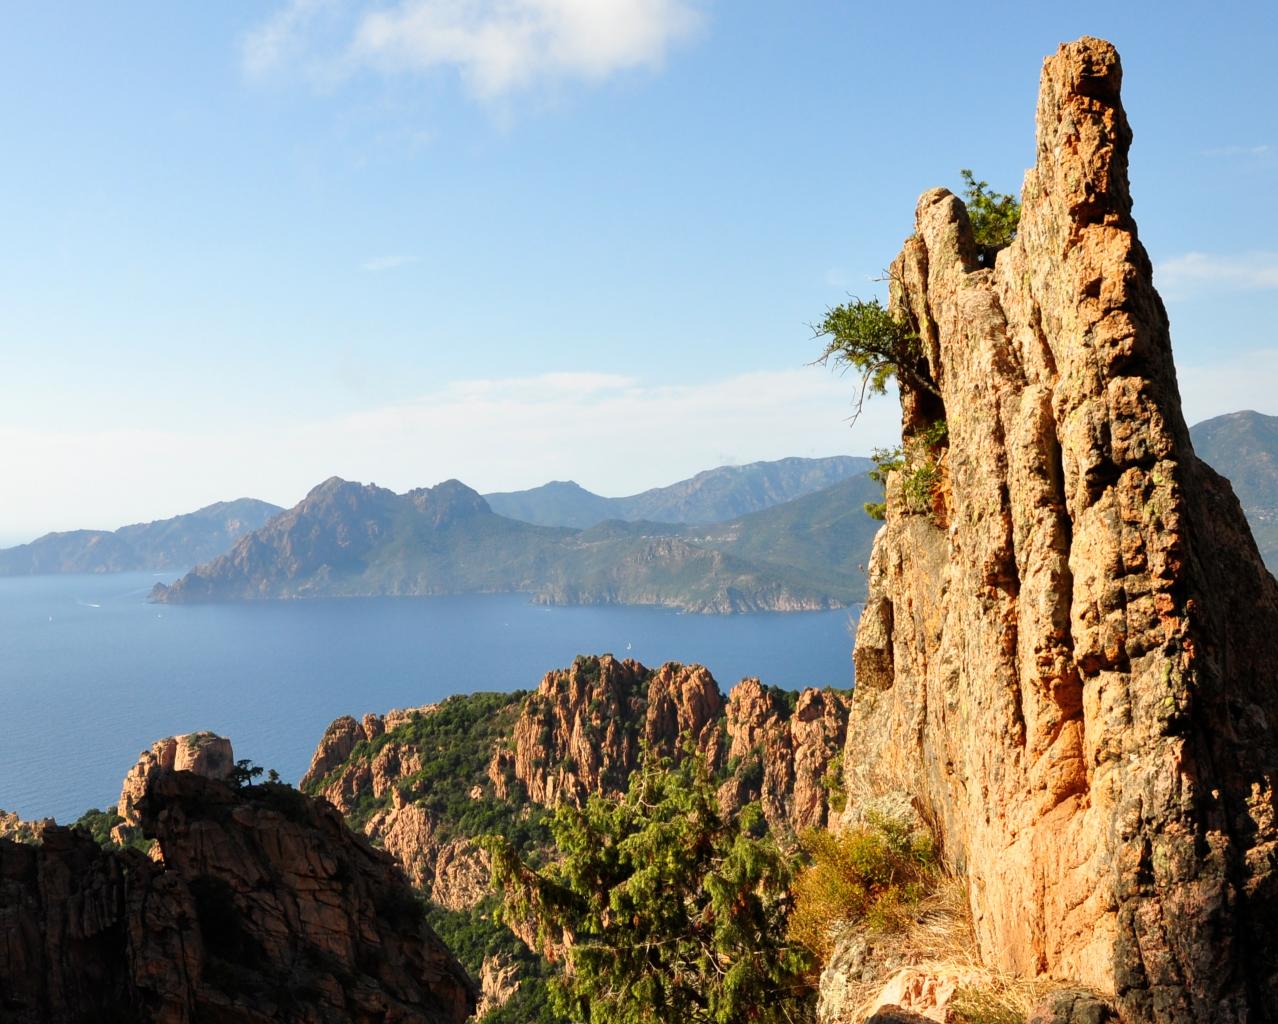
(670, 911)
(866, 338)
(995, 216)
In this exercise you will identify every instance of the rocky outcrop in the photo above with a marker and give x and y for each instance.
(20, 831)
(203, 753)
(579, 732)
(499, 981)
(462, 875)
(265, 908)
(1071, 658)
(338, 742)
(782, 751)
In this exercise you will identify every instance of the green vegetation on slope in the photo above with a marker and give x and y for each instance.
(349, 540)
(454, 743)
(677, 912)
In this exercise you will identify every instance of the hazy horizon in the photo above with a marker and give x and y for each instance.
(254, 247)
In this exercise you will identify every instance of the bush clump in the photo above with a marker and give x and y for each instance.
(868, 876)
(919, 458)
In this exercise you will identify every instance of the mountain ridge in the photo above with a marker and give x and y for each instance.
(175, 543)
(710, 496)
(347, 539)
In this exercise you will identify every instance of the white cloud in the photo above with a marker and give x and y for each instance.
(1201, 271)
(1244, 151)
(496, 46)
(283, 37)
(382, 263)
(610, 432)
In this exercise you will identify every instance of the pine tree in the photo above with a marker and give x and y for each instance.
(670, 910)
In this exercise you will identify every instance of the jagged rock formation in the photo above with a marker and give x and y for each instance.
(203, 753)
(20, 831)
(265, 908)
(1072, 659)
(793, 748)
(581, 732)
(424, 784)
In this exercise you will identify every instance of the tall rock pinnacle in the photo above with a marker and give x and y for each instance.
(1072, 658)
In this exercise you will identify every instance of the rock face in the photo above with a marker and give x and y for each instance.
(1072, 659)
(783, 753)
(202, 753)
(266, 908)
(582, 731)
(499, 981)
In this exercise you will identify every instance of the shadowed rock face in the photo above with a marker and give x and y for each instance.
(266, 908)
(1072, 659)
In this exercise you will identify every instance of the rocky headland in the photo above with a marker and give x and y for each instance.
(175, 543)
(347, 539)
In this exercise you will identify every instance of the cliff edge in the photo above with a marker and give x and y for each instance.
(1071, 658)
(265, 907)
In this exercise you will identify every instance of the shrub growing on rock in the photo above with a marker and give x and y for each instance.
(867, 876)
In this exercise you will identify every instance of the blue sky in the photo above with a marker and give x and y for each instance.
(248, 246)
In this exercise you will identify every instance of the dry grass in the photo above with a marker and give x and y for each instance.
(938, 939)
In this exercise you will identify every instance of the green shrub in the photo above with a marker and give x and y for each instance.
(868, 339)
(836, 795)
(869, 876)
(995, 216)
(917, 458)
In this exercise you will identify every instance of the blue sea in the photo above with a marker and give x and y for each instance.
(91, 674)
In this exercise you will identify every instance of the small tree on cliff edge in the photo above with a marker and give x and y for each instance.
(869, 339)
(675, 912)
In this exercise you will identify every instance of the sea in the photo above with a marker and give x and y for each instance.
(91, 673)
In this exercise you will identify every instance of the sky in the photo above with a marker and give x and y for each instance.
(248, 246)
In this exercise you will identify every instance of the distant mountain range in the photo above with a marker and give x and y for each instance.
(789, 535)
(713, 496)
(352, 540)
(175, 543)
(1243, 446)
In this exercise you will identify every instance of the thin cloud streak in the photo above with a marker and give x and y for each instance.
(1244, 151)
(1201, 271)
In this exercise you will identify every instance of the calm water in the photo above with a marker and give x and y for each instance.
(90, 673)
